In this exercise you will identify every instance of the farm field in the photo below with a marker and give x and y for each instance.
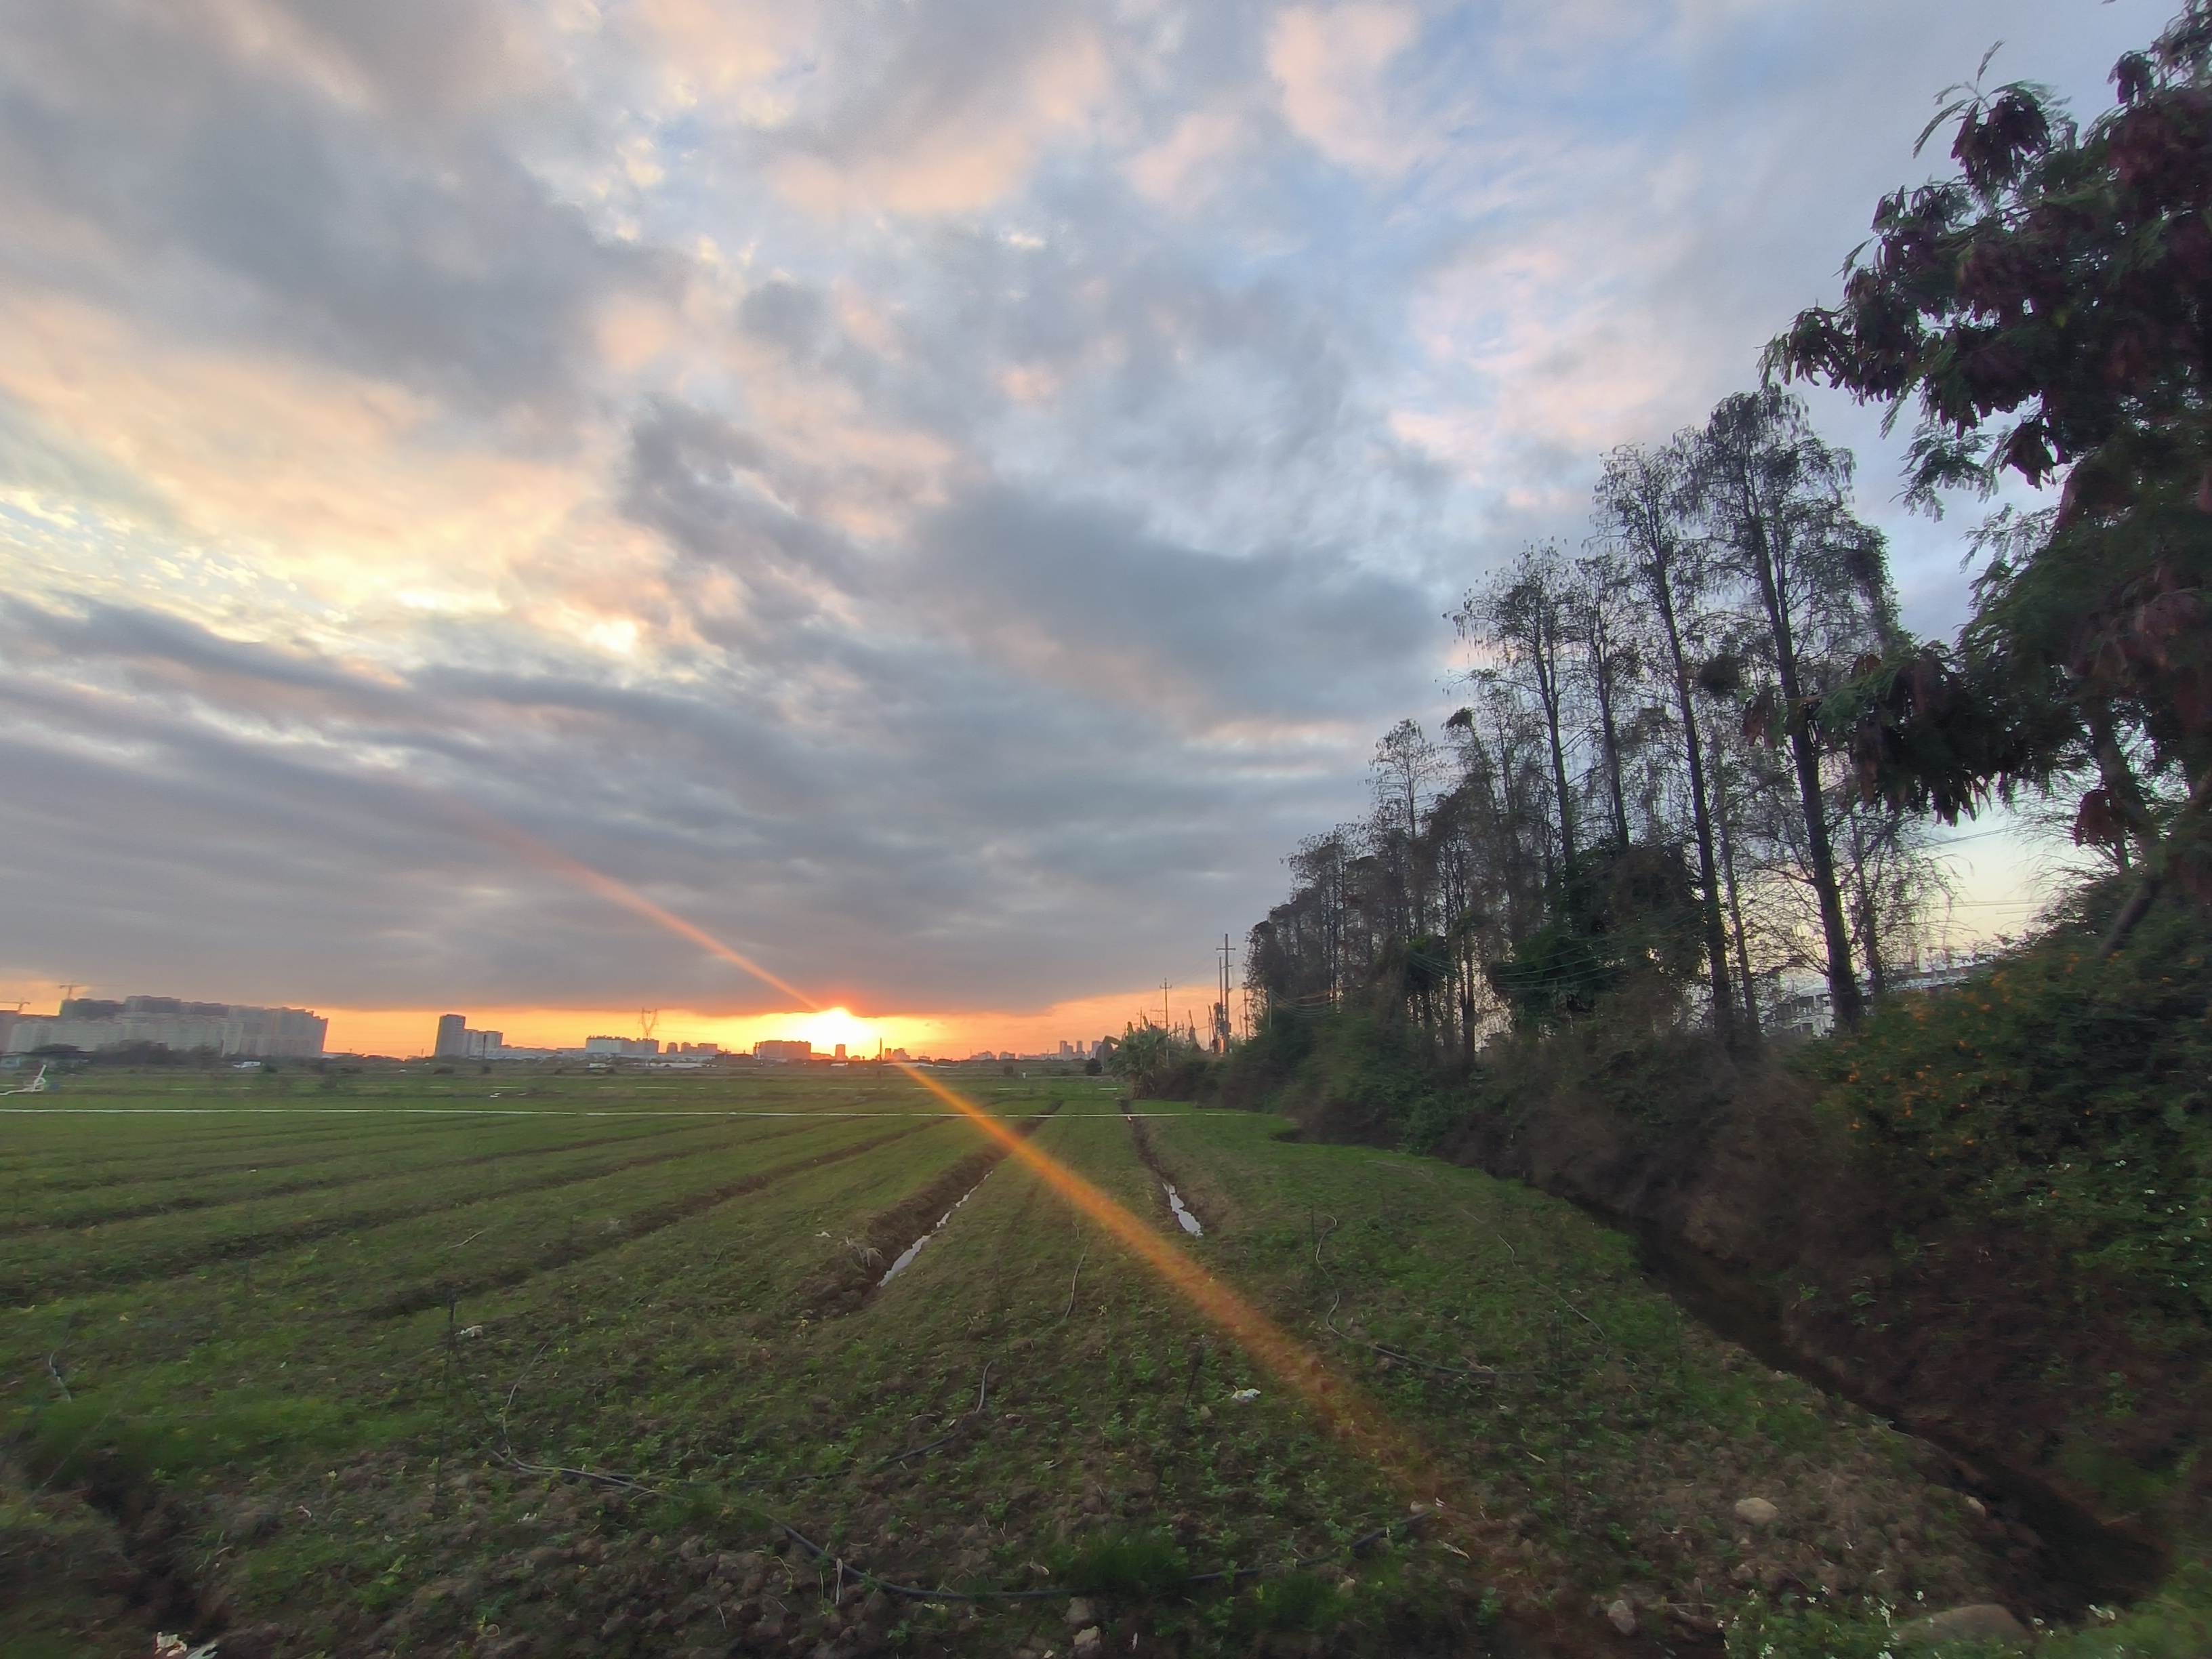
(401, 1362)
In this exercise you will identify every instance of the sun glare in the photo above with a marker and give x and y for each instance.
(1290, 1361)
(832, 1026)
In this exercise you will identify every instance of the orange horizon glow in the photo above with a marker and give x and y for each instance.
(957, 1033)
(401, 1032)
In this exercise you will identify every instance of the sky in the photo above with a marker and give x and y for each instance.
(938, 498)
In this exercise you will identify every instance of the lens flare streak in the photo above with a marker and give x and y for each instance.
(528, 848)
(1291, 1362)
(1270, 1347)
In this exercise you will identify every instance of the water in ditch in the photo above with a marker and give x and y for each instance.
(1182, 1212)
(906, 1256)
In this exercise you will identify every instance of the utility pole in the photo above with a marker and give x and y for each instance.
(1221, 1008)
(1165, 1018)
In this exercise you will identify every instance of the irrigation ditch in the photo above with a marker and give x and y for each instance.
(1746, 1203)
(1185, 1217)
(2064, 1557)
(897, 1235)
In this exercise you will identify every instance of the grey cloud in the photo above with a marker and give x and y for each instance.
(912, 76)
(429, 59)
(783, 311)
(721, 494)
(1303, 636)
(891, 848)
(1047, 587)
(398, 247)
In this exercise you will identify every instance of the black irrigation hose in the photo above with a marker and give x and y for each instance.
(1397, 1356)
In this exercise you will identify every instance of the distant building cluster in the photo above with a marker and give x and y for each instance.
(457, 1040)
(1803, 1009)
(93, 1025)
(1076, 1052)
(90, 1025)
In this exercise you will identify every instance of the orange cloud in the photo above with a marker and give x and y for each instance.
(303, 476)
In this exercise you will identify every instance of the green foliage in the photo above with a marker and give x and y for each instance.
(1295, 1602)
(2059, 1092)
(1122, 1561)
(1622, 913)
(1558, 971)
(2047, 309)
(1334, 1060)
(336, 1467)
(100, 1438)
(2175, 1624)
(1820, 1630)
(1160, 1063)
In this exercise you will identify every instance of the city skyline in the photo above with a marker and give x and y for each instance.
(404, 1033)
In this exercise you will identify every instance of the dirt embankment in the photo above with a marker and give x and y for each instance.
(1985, 1342)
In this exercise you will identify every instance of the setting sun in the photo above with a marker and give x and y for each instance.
(832, 1026)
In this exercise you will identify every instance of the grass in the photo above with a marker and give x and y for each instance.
(316, 1342)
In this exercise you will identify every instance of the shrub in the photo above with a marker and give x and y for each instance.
(1122, 1563)
(2056, 1092)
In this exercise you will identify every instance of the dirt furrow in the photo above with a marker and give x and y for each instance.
(43, 1283)
(643, 1225)
(187, 1202)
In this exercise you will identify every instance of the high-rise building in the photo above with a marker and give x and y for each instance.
(91, 1024)
(457, 1041)
(772, 1048)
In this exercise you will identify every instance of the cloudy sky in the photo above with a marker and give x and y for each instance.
(939, 496)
